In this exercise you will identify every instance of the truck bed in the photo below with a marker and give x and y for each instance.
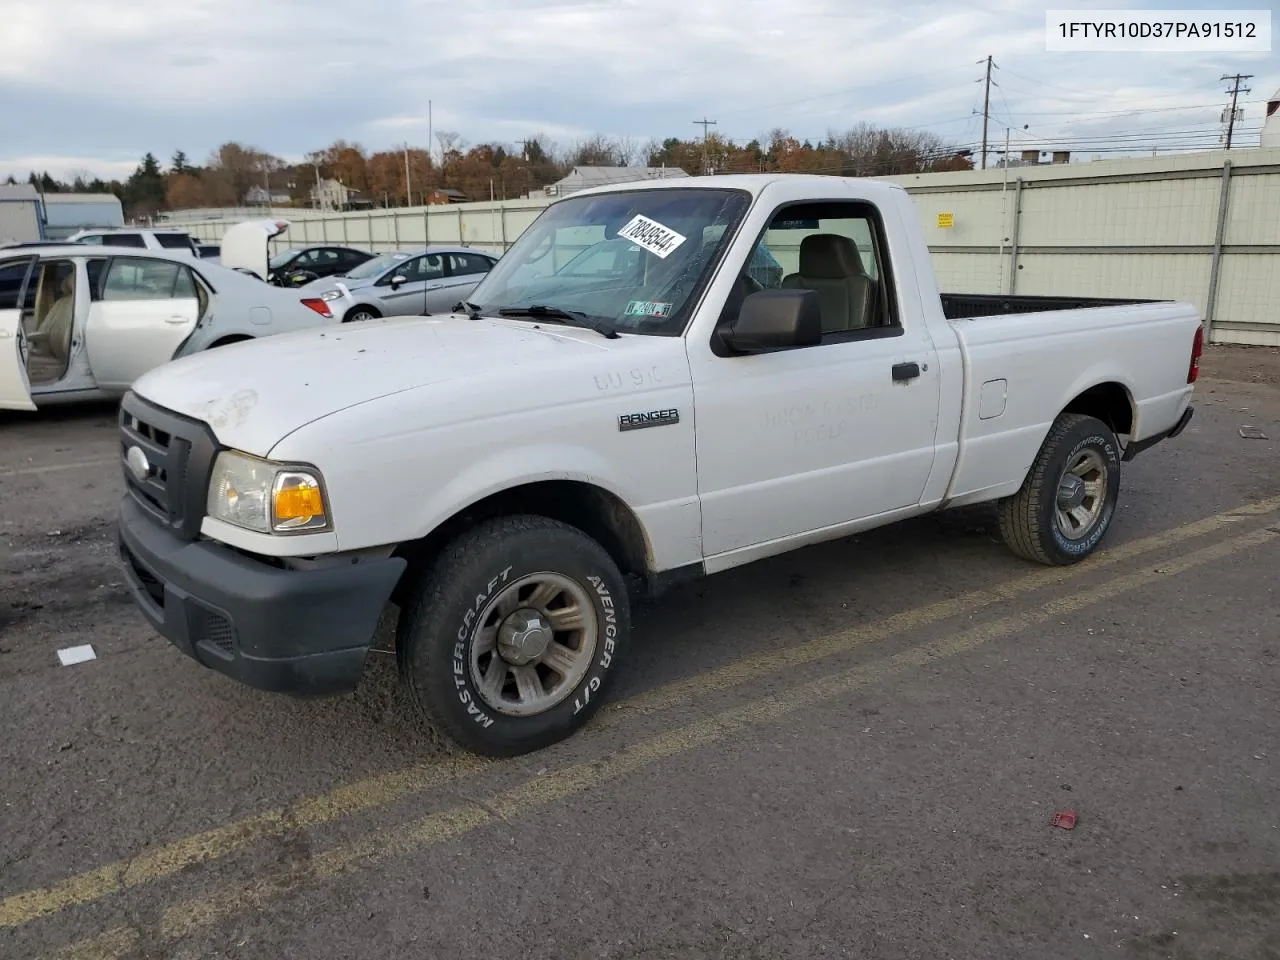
(965, 306)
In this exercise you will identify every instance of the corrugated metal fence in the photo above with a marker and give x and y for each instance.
(1204, 228)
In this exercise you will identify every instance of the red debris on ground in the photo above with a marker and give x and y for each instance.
(1066, 819)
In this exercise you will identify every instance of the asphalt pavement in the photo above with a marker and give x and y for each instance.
(858, 749)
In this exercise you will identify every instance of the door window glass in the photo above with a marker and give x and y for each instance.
(137, 279)
(12, 273)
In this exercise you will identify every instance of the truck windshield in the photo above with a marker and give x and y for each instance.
(635, 259)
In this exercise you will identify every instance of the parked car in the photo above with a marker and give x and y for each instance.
(404, 283)
(175, 240)
(297, 266)
(81, 323)
(503, 473)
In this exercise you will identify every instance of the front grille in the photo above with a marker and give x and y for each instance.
(169, 473)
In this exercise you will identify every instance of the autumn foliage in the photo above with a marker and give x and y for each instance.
(412, 175)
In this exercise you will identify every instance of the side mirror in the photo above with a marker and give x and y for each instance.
(398, 280)
(776, 320)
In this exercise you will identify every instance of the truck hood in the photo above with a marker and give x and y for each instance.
(254, 394)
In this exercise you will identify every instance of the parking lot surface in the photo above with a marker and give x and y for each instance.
(854, 750)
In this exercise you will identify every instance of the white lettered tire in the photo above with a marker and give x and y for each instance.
(509, 639)
(1068, 498)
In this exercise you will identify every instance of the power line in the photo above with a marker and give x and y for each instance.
(889, 81)
(1234, 91)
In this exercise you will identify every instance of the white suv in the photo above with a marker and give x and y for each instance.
(175, 240)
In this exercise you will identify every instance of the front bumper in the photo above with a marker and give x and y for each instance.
(283, 630)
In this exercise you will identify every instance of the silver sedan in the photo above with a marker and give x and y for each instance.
(403, 283)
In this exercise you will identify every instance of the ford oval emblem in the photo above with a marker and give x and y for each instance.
(138, 464)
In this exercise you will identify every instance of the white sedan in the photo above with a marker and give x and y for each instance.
(81, 323)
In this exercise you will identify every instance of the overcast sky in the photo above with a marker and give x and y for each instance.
(93, 84)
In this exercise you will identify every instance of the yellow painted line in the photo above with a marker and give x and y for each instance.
(216, 843)
(364, 795)
(187, 917)
(759, 665)
(54, 467)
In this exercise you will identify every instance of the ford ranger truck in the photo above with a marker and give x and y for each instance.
(627, 399)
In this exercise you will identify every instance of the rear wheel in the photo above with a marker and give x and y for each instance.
(360, 314)
(1068, 499)
(509, 639)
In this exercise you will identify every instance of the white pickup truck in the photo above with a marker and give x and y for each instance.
(658, 380)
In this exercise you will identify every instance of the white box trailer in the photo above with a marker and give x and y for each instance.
(20, 213)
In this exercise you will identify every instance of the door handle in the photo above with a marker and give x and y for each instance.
(905, 371)
(175, 319)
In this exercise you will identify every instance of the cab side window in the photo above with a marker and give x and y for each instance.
(837, 249)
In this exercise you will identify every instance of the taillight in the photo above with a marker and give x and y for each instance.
(1197, 348)
(319, 306)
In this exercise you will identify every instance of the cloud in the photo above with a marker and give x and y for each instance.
(87, 83)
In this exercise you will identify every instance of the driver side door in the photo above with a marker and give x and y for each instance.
(144, 311)
(15, 391)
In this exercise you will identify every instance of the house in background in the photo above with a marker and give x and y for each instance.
(20, 215)
(332, 195)
(260, 197)
(67, 213)
(442, 195)
(583, 178)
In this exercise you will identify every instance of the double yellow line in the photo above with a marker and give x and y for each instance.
(375, 792)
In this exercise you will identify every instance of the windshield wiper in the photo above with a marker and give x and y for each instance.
(467, 307)
(574, 318)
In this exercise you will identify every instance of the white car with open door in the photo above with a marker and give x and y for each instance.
(81, 323)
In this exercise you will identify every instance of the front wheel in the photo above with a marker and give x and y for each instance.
(1068, 499)
(508, 641)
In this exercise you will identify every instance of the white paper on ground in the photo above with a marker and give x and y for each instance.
(74, 655)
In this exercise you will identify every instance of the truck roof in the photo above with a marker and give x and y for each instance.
(753, 183)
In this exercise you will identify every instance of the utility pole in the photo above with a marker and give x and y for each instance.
(704, 123)
(408, 192)
(1235, 91)
(986, 110)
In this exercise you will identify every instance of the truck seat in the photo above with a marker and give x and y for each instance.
(831, 265)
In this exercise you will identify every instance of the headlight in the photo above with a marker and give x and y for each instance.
(331, 295)
(266, 496)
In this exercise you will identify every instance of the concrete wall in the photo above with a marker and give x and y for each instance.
(1153, 227)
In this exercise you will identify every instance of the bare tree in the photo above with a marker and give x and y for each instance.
(449, 140)
(597, 151)
(628, 151)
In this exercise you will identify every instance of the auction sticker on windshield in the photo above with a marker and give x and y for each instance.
(659, 240)
(647, 308)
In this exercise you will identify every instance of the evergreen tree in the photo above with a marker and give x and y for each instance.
(144, 190)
